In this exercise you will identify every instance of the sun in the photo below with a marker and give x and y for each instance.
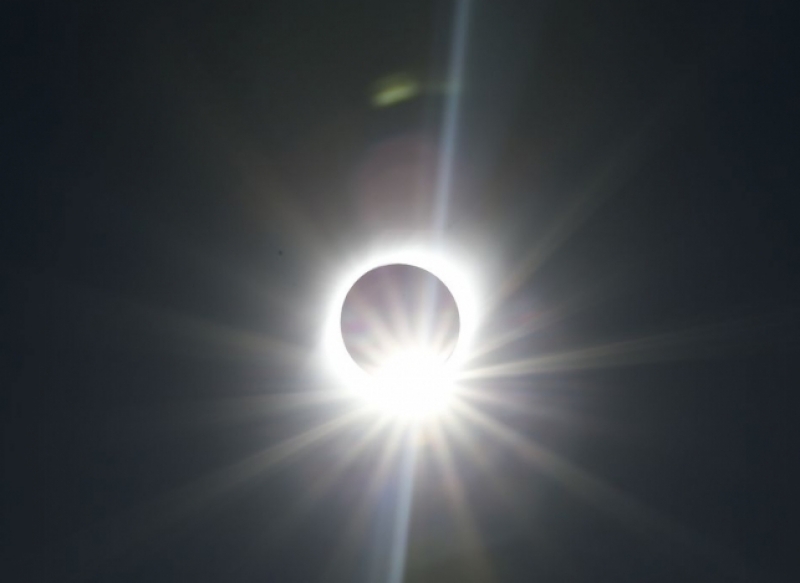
(405, 378)
(413, 383)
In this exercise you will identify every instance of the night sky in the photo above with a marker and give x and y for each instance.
(183, 181)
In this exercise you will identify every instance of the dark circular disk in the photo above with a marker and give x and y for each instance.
(398, 307)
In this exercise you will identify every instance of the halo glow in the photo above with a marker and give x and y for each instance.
(413, 382)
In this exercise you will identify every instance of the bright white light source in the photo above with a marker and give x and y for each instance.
(412, 382)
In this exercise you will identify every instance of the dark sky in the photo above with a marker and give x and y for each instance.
(180, 180)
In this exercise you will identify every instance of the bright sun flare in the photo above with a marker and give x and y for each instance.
(412, 381)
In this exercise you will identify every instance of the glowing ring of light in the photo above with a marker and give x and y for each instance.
(446, 266)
